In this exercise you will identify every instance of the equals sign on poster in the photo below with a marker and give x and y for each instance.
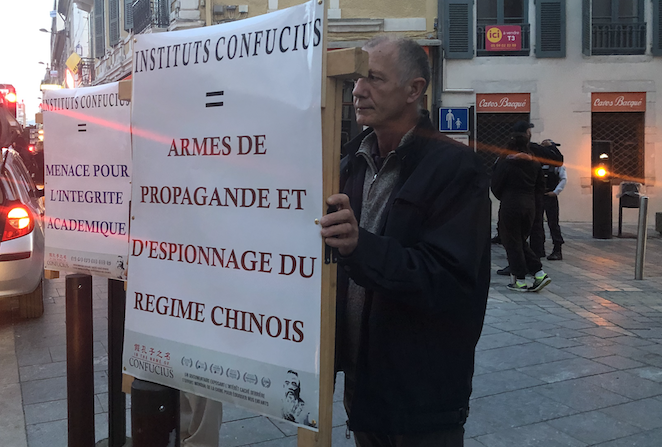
(214, 95)
(82, 128)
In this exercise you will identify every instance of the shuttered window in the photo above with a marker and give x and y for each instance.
(99, 30)
(657, 27)
(114, 21)
(458, 29)
(550, 29)
(128, 15)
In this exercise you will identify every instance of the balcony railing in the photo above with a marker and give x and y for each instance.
(480, 42)
(618, 38)
(155, 13)
(85, 73)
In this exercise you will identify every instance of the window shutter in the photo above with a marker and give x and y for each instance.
(99, 31)
(550, 28)
(128, 15)
(657, 27)
(587, 30)
(114, 21)
(458, 29)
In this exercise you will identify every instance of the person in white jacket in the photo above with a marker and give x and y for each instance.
(555, 180)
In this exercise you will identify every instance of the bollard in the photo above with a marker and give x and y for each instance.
(642, 233)
(154, 415)
(116, 398)
(80, 363)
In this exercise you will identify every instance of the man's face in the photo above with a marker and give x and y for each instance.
(291, 384)
(379, 98)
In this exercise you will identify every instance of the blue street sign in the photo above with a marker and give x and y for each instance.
(454, 120)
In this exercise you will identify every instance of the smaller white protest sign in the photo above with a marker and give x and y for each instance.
(87, 169)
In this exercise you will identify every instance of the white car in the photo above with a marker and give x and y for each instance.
(22, 243)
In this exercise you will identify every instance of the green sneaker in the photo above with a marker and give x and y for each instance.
(518, 287)
(540, 283)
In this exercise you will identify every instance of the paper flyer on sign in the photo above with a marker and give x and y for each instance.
(224, 286)
(87, 172)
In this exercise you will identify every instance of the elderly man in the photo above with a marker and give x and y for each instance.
(412, 231)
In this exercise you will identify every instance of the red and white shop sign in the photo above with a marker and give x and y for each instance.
(503, 102)
(618, 102)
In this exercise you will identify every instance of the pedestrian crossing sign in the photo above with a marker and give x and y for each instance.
(454, 120)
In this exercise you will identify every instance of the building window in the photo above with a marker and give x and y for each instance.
(458, 25)
(614, 27)
(502, 12)
(617, 11)
(505, 12)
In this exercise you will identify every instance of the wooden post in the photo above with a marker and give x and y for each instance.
(51, 274)
(341, 65)
(124, 89)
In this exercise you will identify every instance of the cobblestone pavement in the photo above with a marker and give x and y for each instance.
(578, 364)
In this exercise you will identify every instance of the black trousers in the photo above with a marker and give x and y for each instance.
(537, 230)
(451, 437)
(514, 227)
(549, 205)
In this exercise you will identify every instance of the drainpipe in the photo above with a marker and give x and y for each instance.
(208, 8)
(438, 65)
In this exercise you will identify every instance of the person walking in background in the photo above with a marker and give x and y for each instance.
(412, 229)
(555, 180)
(516, 182)
(549, 155)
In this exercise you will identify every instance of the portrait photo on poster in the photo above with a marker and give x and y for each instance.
(294, 406)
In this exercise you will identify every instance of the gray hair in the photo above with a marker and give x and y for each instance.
(412, 58)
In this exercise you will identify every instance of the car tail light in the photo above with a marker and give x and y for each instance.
(18, 223)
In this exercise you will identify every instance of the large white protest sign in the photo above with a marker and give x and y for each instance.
(224, 283)
(87, 158)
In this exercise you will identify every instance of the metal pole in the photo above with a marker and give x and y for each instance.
(80, 364)
(116, 398)
(154, 415)
(642, 233)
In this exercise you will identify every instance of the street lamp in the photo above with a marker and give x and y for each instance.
(44, 30)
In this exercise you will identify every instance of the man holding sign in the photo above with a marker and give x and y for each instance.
(412, 231)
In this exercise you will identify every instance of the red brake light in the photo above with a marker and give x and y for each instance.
(19, 223)
(31, 148)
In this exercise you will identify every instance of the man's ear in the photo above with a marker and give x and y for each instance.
(415, 89)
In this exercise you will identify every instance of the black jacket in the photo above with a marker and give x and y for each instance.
(516, 181)
(426, 275)
(547, 155)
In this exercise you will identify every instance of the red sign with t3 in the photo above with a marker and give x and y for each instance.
(503, 38)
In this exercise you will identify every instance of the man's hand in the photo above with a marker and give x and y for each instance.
(550, 194)
(340, 229)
